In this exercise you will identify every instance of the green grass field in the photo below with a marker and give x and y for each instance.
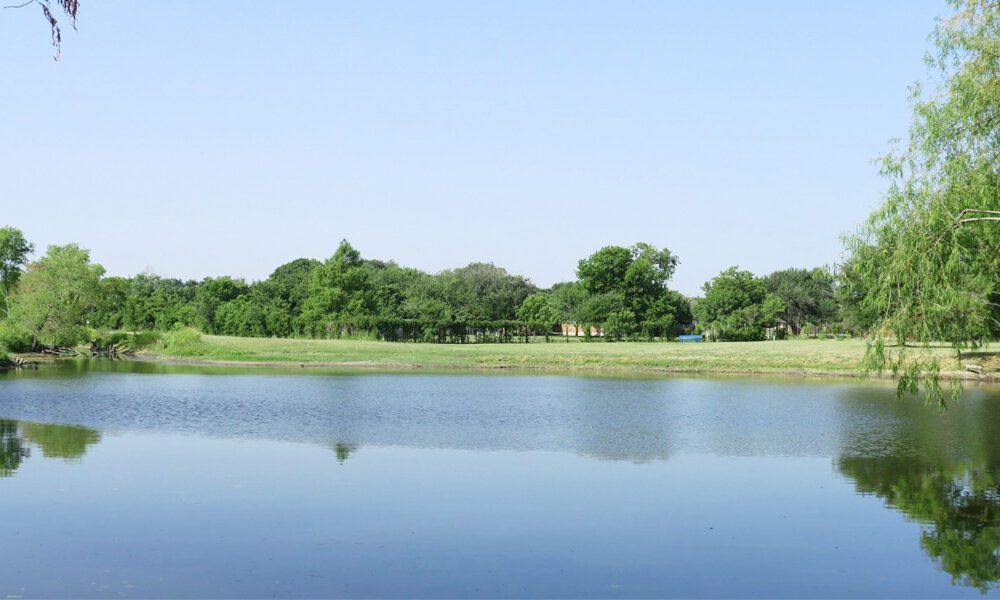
(833, 357)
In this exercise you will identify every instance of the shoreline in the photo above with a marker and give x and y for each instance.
(803, 359)
(804, 373)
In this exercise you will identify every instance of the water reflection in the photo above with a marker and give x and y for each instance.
(12, 448)
(60, 441)
(69, 442)
(344, 451)
(958, 504)
(940, 470)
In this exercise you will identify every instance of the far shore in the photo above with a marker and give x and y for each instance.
(566, 370)
(809, 358)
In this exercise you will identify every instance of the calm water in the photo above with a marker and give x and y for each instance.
(118, 479)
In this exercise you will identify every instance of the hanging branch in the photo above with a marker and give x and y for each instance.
(70, 7)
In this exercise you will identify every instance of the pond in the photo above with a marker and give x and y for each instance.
(131, 479)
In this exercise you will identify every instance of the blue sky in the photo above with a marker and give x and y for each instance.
(194, 139)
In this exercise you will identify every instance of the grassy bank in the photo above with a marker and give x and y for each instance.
(830, 357)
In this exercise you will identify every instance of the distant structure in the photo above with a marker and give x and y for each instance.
(578, 330)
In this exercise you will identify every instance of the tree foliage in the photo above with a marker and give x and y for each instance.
(807, 294)
(728, 292)
(628, 283)
(212, 294)
(737, 308)
(927, 259)
(14, 252)
(56, 297)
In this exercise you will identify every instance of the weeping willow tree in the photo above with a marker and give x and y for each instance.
(927, 262)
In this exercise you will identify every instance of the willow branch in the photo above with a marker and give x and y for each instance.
(991, 215)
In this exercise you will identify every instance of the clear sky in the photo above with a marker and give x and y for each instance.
(199, 138)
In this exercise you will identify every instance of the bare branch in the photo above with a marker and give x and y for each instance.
(993, 215)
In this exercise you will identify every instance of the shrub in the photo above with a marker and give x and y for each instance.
(620, 325)
(13, 338)
(125, 340)
(183, 341)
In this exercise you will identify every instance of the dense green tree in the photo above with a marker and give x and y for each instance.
(426, 309)
(636, 276)
(391, 286)
(737, 307)
(212, 293)
(808, 296)
(742, 325)
(728, 292)
(537, 310)
(927, 259)
(484, 292)
(598, 308)
(56, 296)
(290, 283)
(14, 251)
(157, 303)
(567, 298)
(682, 308)
(112, 299)
(646, 278)
(339, 291)
(619, 325)
(243, 317)
(670, 314)
(604, 271)
(854, 313)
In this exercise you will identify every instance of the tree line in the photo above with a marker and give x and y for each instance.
(62, 299)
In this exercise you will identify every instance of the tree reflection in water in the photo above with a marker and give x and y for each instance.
(60, 441)
(344, 450)
(959, 505)
(941, 470)
(68, 442)
(12, 448)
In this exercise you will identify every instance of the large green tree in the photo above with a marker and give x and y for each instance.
(807, 295)
(56, 297)
(339, 290)
(537, 310)
(928, 258)
(604, 271)
(736, 306)
(637, 276)
(14, 251)
(290, 283)
(728, 292)
(157, 303)
(211, 294)
(567, 298)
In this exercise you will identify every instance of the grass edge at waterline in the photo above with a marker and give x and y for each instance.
(809, 357)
